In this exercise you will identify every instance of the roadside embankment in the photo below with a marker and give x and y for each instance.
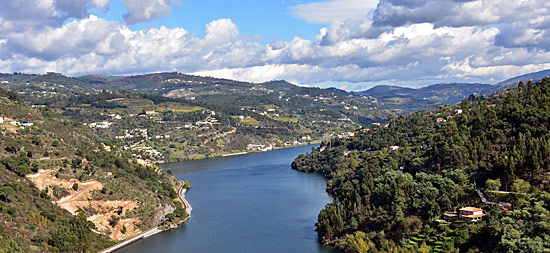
(181, 196)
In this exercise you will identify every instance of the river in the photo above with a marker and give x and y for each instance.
(248, 203)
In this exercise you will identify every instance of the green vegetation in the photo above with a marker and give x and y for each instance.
(386, 200)
(187, 185)
(249, 122)
(202, 116)
(30, 220)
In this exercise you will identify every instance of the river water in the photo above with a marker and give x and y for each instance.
(248, 203)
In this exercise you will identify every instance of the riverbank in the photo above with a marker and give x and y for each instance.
(181, 196)
(227, 154)
(186, 205)
(247, 203)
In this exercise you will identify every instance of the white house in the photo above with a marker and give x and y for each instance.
(471, 213)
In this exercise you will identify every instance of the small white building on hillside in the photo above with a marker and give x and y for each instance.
(471, 213)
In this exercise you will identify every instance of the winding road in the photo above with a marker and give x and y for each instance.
(186, 205)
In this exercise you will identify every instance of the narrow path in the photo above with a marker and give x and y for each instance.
(503, 192)
(486, 201)
(483, 198)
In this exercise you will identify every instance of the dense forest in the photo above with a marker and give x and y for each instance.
(392, 184)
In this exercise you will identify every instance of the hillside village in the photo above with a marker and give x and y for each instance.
(163, 129)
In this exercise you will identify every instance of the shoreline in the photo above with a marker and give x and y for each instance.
(214, 155)
(181, 196)
(186, 205)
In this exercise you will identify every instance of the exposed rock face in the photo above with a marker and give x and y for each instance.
(81, 198)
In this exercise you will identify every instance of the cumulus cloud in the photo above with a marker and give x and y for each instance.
(72, 39)
(530, 33)
(146, 10)
(221, 30)
(37, 14)
(457, 12)
(413, 42)
(327, 12)
(100, 46)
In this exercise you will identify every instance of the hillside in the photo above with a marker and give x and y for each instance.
(448, 94)
(535, 77)
(173, 116)
(210, 117)
(392, 186)
(65, 189)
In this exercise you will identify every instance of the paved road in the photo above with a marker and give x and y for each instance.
(186, 205)
(181, 196)
(131, 240)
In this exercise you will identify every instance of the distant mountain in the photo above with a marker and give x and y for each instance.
(446, 93)
(535, 76)
(279, 85)
(339, 91)
(384, 90)
(99, 79)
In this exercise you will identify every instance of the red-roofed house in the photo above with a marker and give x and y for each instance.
(471, 213)
(440, 120)
(506, 208)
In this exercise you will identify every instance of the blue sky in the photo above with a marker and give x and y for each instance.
(348, 44)
(272, 19)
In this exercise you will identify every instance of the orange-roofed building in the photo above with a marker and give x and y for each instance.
(506, 208)
(471, 213)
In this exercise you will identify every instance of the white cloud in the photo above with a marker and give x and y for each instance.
(72, 39)
(406, 42)
(38, 14)
(458, 12)
(329, 11)
(221, 30)
(145, 10)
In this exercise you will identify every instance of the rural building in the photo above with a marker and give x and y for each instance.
(471, 213)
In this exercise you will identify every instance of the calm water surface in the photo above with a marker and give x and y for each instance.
(250, 203)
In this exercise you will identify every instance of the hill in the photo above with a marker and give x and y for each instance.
(392, 186)
(186, 117)
(535, 77)
(448, 94)
(63, 188)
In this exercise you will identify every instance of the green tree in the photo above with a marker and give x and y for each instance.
(187, 185)
(493, 184)
(521, 186)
